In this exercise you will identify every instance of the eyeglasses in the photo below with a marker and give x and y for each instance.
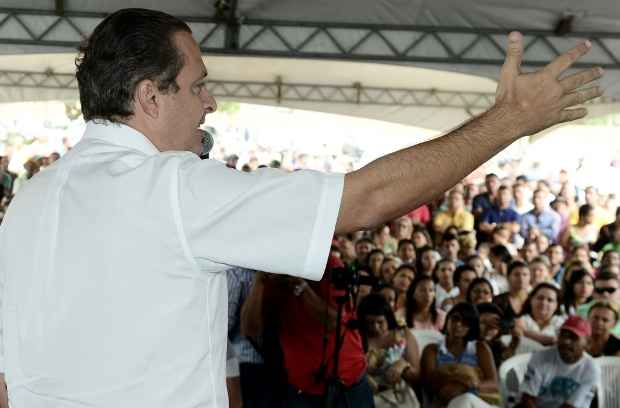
(600, 291)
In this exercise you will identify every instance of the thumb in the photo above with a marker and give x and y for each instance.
(514, 56)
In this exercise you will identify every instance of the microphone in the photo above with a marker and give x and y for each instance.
(207, 144)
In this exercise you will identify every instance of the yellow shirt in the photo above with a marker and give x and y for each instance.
(463, 220)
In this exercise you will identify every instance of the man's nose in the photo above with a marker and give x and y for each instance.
(210, 105)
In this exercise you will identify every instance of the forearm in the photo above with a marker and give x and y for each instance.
(541, 338)
(394, 184)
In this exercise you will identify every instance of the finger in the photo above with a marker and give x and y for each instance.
(580, 97)
(514, 56)
(564, 61)
(572, 82)
(568, 115)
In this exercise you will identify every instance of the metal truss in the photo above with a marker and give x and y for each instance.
(227, 34)
(280, 92)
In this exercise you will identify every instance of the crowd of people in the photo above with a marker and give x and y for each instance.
(488, 272)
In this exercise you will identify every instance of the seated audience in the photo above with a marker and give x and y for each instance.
(459, 369)
(540, 269)
(463, 277)
(456, 214)
(493, 326)
(391, 352)
(606, 289)
(480, 291)
(406, 251)
(422, 312)
(500, 259)
(584, 232)
(384, 241)
(563, 375)
(388, 269)
(556, 259)
(577, 291)
(389, 294)
(375, 261)
(427, 259)
(405, 274)
(476, 262)
(541, 318)
(542, 217)
(444, 276)
(603, 316)
(511, 302)
(421, 238)
(450, 248)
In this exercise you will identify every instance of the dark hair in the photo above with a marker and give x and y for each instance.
(527, 306)
(405, 242)
(491, 175)
(470, 316)
(364, 239)
(516, 264)
(490, 308)
(418, 256)
(411, 307)
(474, 283)
(448, 236)
(380, 286)
(405, 266)
(502, 253)
(568, 295)
(456, 277)
(604, 275)
(127, 47)
(376, 251)
(374, 305)
(585, 210)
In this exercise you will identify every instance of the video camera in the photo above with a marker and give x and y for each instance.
(348, 277)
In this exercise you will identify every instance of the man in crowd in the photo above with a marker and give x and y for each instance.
(562, 375)
(605, 289)
(146, 325)
(606, 233)
(541, 217)
(456, 215)
(500, 213)
(484, 201)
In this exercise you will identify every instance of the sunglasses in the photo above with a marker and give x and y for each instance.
(603, 290)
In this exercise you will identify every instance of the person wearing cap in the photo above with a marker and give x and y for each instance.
(563, 375)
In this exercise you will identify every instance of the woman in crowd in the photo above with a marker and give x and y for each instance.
(511, 302)
(391, 353)
(577, 290)
(375, 261)
(463, 277)
(584, 232)
(427, 259)
(460, 367)
(389, 294)
(603, 317)
(384, 241)
(480, 291)
(494, 325)
(476, 262)
(422, 312)
(444, 277)
(405, 274)
(541, 318)
(421, 238)
(388, 269)
(540, 269)
(500, 259)
(529, 251)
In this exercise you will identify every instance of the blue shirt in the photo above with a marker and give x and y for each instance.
(240, 282)
(496, 215)
(548, 222)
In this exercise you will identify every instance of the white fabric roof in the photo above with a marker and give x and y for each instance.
(600, 16)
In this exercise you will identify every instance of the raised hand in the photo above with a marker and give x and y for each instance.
(541, 99)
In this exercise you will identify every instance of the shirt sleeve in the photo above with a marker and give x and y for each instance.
(2, 305)
(234, 296)
(533, 380)
(584, 394)
(267, 220)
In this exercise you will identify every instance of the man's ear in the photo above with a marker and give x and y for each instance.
(147, 98)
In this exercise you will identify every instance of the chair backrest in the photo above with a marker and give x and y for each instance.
(608, 391)
(511, 374)
(426, 337)
(527, 345)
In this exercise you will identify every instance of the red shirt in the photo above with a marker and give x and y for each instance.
(301, 338)
(420, 215)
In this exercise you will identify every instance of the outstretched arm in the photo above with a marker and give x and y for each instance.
(525, 103)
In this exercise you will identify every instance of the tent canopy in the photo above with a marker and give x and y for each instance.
(395, 60)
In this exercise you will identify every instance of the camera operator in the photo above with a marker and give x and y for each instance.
(307, 322)
(494, 326)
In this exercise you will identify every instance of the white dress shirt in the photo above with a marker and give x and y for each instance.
(111, 260)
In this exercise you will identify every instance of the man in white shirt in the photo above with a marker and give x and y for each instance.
(565, 375)
(111, 260)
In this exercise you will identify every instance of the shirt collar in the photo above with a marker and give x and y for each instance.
(119, 134)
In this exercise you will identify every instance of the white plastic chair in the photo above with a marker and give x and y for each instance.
(608, 391)
(514, 368)
(426, 337)
(527, 345)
